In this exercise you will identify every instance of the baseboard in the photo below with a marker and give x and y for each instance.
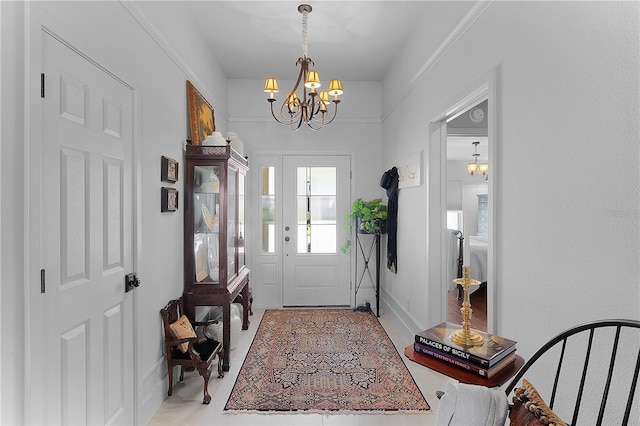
(403, 320)
(152, 391)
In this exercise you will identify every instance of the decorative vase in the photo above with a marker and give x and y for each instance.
(236, 142)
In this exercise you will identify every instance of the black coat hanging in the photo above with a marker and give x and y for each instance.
(389, 182)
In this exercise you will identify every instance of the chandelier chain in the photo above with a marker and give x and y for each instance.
(305, 49)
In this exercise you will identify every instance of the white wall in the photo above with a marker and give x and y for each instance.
(568, 95)
(12, 212)
(356, 131)
(108, 33)
(568, 231)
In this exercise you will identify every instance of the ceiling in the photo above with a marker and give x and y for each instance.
(350, 40)
(460, 148)
(466, 129)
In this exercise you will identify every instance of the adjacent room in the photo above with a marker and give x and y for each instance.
(200, 224)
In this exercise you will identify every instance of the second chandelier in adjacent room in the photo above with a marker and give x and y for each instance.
(475, 167)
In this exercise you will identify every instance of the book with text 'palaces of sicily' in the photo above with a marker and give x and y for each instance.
(487, 372)
(490, 352)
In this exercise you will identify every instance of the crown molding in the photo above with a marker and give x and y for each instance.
(465, 23)
(338, 120)
(168, 49)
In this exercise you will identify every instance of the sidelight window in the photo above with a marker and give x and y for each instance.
(268, 200)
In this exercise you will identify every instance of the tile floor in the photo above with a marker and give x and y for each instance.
(185, 406)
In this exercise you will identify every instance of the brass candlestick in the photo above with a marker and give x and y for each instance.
(466, 336)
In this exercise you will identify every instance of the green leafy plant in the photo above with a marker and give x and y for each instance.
(370, 217)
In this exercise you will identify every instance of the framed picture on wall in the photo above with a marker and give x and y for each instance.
(169, 170)
(169, 200)
(201, 117)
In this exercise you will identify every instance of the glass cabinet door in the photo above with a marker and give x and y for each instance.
(241, 252)
(206, 224)
(232, 235)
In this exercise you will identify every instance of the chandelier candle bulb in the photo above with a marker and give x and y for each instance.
(324, 98)
(313, 80)
(335, 87)
(271, 86)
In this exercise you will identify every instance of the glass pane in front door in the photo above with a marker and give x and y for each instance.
(316, 207)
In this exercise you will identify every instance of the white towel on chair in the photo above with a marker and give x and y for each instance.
(472, 405)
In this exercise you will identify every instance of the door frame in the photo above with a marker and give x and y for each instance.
(291, 291)
(266, 158)
(485, 88)
(34, 24)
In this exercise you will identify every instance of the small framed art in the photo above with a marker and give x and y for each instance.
(169, 170)
(201, 117)
(169, 200)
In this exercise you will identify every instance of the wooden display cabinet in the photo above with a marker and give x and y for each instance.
(214, 250)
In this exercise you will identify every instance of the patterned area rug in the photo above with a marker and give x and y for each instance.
(324, 360)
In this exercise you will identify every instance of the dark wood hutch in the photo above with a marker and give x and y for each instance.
(214, 232)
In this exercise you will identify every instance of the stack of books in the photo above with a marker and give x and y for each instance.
(486, 360)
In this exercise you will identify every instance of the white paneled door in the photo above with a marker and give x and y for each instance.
(316, 194)
(86, 241)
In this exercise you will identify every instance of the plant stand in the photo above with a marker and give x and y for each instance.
(366, 256)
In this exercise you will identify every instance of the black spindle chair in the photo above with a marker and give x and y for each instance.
(595, 370)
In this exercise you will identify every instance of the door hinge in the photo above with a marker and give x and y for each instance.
(42, 281)
(42, 85)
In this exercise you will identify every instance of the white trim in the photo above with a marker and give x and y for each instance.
(261, 158)
(436, 223)
(338, 120)
(465, 23)
(166, 47)
(402, 319)
(84, 56)
(475, 97)
(136, 235)
(1, 197)
(31, 202)
(482, 89)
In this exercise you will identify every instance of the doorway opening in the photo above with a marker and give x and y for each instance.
(475, 196)
(467, 179)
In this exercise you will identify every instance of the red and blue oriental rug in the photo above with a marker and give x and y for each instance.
(324, 360)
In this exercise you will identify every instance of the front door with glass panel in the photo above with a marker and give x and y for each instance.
(316, 194)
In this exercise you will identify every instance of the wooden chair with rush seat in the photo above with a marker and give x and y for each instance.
(186, 348)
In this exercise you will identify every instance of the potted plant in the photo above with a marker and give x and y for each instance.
(370, 216)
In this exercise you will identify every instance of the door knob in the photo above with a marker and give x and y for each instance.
(131, 282)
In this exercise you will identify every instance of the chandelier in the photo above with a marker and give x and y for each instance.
(475, 167)
(310, 107)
